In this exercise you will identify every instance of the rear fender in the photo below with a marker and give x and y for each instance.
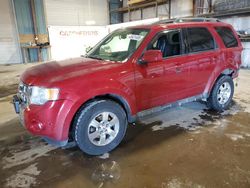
(214, 77)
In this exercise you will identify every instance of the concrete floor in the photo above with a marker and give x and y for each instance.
(181, 147)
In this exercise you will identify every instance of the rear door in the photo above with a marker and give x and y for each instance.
(202, 57)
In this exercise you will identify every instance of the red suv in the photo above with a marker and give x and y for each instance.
(91, 99)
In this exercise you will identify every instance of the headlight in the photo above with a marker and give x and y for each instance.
(40, 95)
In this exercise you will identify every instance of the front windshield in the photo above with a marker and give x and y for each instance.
(119, 45)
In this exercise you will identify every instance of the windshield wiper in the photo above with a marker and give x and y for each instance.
(93, 57)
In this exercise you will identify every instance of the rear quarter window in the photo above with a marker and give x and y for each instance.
(227, 37)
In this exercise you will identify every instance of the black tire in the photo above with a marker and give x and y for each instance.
(213, 101)
(89, 113)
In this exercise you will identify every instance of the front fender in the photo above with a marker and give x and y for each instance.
(114, 89)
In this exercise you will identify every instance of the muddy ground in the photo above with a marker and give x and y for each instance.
(182, 147)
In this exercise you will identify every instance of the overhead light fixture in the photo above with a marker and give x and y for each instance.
(90, 22)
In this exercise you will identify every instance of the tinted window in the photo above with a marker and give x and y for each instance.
(199, 39)
(169, 43)
(227, 36)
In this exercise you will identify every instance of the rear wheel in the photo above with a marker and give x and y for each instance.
(100, 127)
(222, 93)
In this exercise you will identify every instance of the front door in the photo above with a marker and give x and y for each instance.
(162, 82)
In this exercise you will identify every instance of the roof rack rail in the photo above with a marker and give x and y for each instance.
(165, 21)
(197, 19)
(181, 20)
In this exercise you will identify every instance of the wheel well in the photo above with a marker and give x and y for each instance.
(118, 99)
(228, 72)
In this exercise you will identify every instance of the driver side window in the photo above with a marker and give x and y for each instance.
(169, 43)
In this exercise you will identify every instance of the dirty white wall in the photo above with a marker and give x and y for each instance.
(179, 8)
(9, 51)
(246, 55)
(241, 23)
(76, 12)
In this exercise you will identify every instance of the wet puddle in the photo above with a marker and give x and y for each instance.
(214, 154)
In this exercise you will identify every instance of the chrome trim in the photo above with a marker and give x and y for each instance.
(24, 93)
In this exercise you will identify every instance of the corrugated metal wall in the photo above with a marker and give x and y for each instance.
(41, 24)
(40, 17)
(115, 17)
(147, 13)
(24, 17)
(9, 50)
(179, 8)
(25, 25)
(76, 12)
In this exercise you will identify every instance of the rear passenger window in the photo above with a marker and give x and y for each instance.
(227, 36)
(199, 39)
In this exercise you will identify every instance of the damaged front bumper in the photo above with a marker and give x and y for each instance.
(45, 120)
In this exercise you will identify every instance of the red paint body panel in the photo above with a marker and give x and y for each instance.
(141, 86)
(42, 121)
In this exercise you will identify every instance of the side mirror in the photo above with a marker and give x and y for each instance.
(151, 56)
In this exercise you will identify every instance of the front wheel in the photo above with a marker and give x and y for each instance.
(100, 127)
(222, 94)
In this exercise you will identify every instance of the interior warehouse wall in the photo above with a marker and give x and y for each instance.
(179, 8)
(76, 12)
(9, 50)
(241, 23)
(25, 26)
(147, 13)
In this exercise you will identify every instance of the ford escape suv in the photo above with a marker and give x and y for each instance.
(91, 99)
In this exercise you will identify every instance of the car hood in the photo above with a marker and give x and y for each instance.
(58, 71)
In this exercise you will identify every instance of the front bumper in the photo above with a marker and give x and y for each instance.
(48, 120)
